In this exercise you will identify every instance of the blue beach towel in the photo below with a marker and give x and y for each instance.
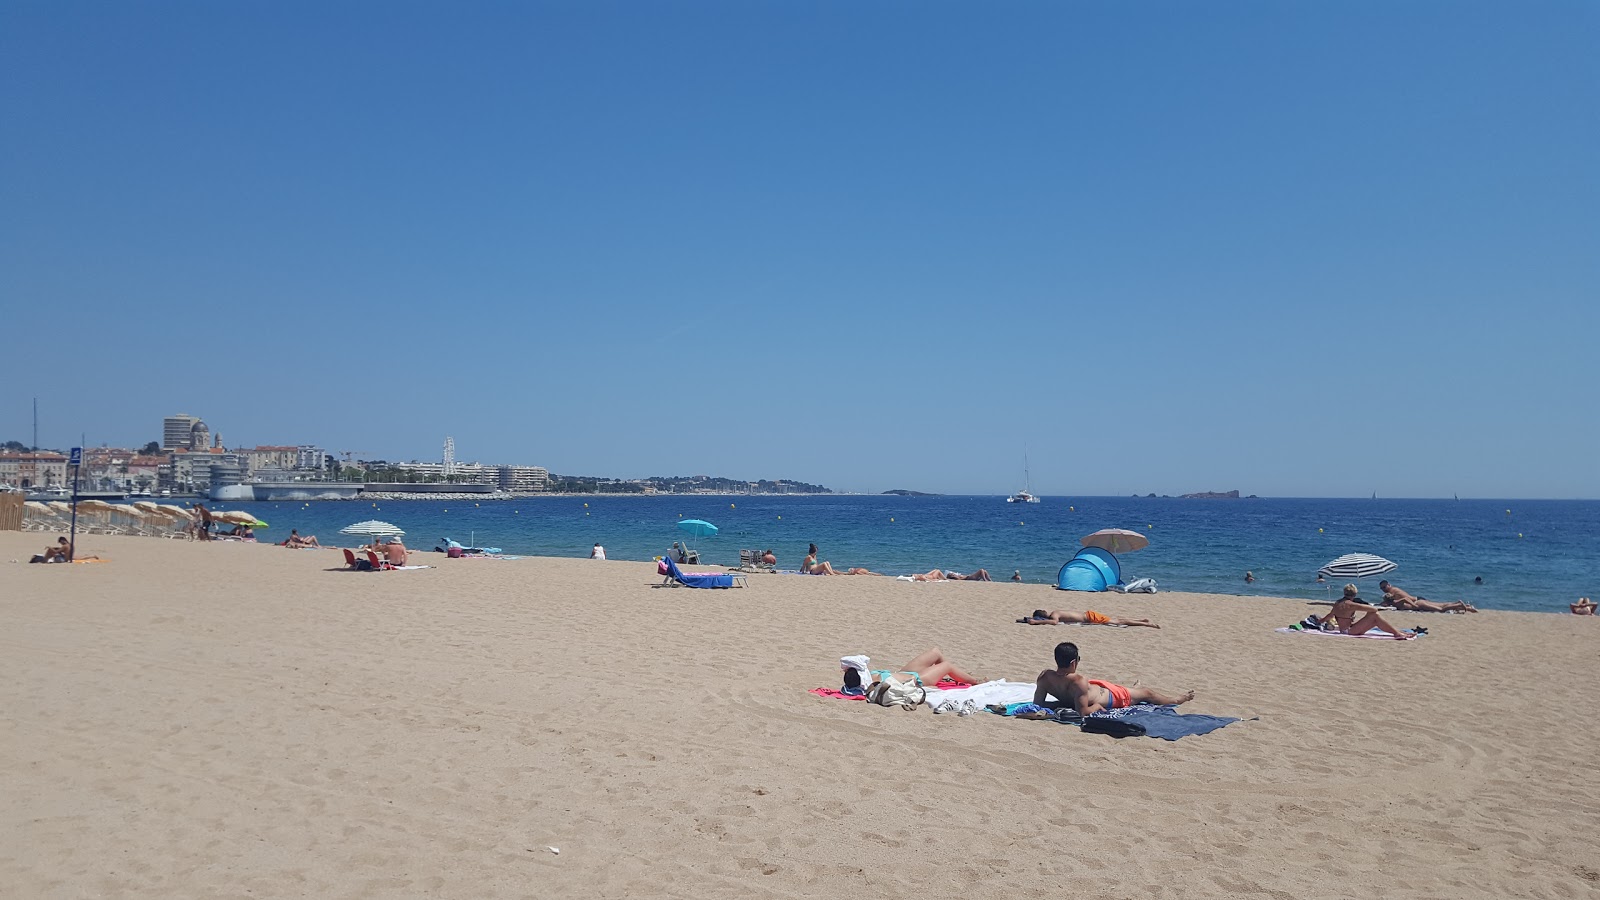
(1166, 723)
(1163, 722)
(697, 581)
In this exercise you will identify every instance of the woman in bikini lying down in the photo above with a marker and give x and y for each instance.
(927, 668)
(1087, 617)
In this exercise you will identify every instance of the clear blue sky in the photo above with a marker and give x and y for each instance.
(1289, 248)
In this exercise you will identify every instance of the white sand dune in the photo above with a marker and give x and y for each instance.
(226, 720)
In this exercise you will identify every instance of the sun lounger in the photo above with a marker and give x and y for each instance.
(677, 578)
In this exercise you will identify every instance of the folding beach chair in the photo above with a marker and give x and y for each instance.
(378, 565)
(676, 578)
(750, 561)
(350, 558)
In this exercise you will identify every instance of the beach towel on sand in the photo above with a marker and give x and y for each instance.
(1163, 722)
(1374, 633)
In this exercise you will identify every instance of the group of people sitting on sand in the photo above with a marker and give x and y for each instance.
(1062, 686)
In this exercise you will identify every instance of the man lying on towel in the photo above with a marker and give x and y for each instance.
(1087, 617)
(1088, 695)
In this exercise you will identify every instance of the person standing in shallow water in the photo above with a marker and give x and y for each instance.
(1249, 578)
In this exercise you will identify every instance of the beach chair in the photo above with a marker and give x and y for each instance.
(350, 558)
(676, 578)
(685, 555)
(378, 565)
(750, 561)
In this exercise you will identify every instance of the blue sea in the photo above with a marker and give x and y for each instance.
(1536, 555)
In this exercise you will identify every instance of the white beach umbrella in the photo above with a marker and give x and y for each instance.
(371, 528)
(1357, 565)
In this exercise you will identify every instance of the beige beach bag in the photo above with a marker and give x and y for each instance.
(894, 692)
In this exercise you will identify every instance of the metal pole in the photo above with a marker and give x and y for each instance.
(72, 541)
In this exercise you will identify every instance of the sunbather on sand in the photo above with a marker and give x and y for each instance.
(1088, 695)
(1584, 607)
(1399, 599)
(395, 552)
(1344, 613)
(941, 575)
(812, 567)
(295, 541)
(929, 667)
(1088, 617)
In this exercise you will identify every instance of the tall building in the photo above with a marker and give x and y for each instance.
(176, 431)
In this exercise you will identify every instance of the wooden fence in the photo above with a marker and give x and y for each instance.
(11, 511)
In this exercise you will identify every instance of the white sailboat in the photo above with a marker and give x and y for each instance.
(1023, 496)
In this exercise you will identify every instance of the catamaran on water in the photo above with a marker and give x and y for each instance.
(1024, 495)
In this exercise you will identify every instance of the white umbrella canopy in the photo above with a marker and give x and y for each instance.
(149, 506)
(372, 528)
(60, 506)
(176, 512)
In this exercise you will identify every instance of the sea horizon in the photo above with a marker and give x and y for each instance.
(1532, 554)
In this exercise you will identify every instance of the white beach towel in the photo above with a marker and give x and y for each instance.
(1375, 634)
(1001, 691)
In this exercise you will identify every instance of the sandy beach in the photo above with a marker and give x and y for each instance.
(234, 720)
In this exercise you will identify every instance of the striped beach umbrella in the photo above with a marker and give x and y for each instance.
(372, 528)
(1357, 565)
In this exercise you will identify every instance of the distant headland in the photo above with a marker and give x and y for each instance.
(905, 493)
(1205, 495)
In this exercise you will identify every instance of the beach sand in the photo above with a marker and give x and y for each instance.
(229, 720)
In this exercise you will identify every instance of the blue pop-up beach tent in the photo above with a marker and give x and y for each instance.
(1092, 569)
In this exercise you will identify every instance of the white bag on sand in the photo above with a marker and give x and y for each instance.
(859, 662)
(1140, 586)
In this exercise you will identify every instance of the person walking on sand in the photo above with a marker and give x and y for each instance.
(1088, 617)
(1344, 613)
(1089, 695)
(203, 526)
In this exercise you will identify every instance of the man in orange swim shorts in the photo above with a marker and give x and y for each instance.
(1087, 617)
(1087, 695)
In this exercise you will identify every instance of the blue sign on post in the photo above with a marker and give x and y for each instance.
(75, 460)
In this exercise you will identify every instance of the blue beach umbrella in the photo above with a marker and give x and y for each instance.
(697, 528)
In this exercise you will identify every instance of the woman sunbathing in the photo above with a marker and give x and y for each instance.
(928, 668)
(1344, 613)
(1584, 607)
(1088, 617)
(812, 567)
(940, 575)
